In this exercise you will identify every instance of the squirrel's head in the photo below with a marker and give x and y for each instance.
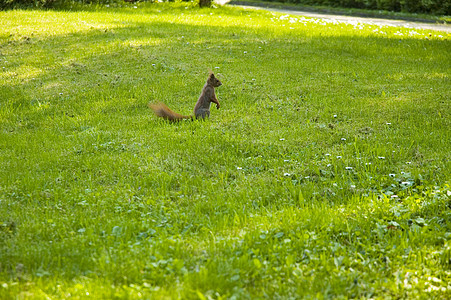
(212, 80)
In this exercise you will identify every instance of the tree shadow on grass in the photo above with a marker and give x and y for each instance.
(129, 63)
(102, 79)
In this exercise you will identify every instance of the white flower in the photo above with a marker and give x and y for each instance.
(348, 168)
(239, 168)
(392, 175)
(284, 17)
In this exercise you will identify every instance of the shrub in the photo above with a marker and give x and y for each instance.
(7, 4)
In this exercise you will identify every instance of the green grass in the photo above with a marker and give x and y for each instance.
(325, 174)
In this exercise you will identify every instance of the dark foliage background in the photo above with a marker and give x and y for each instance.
(439, 7)
(8, 4)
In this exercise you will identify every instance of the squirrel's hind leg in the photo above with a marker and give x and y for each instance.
(202, 114)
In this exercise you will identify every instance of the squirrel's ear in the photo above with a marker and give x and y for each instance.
(212, 75)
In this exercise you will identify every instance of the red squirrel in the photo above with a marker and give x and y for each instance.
(202, 107)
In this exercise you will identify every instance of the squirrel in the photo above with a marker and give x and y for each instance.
(202, 107)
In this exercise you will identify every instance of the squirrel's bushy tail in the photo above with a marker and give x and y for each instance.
(161, 110)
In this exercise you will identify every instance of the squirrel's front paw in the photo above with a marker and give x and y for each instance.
(217, 106)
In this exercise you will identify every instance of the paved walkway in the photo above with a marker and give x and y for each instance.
(354, 19)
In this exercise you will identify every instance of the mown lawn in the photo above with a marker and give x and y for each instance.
(325, 174)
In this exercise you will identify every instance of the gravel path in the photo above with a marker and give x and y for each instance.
(353, 19)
